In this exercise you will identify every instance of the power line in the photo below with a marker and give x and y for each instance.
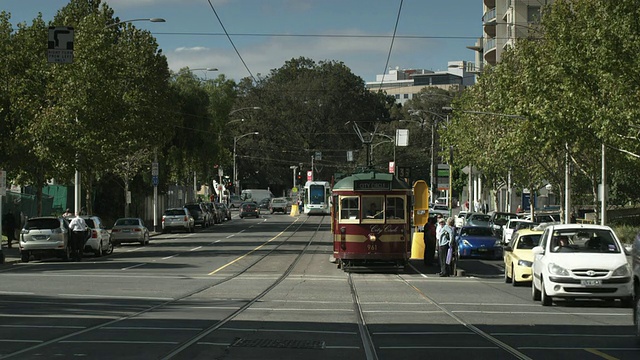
(347, 36)
(395, 29)
(231, 41)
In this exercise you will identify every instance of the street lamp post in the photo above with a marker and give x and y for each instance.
(204, 70)
(245, 108)
(434, 125)
(235, 170)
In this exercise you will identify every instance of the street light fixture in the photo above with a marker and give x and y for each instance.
(235, 171)
(204, 70)
(132, 20)
(245, 108)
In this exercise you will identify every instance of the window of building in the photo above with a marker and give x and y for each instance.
(533, 14)
(397, 96)
(406, 96)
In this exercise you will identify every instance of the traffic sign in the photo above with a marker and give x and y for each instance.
(309, 175)
(155, 180)
(60, 45)
(154, 168)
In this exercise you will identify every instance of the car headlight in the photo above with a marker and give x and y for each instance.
(498, 243)
(622, 271)
(555, 269)
(465, 242)
(525, 263)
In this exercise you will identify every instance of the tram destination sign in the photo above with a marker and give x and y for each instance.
(371, 185)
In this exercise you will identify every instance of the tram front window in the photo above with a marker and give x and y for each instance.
(374, 206)
(316, 194)
(395, 208)
(349, 208)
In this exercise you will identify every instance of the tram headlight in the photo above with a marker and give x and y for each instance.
(372, 237)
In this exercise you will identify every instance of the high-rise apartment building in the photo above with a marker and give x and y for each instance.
(503, 22)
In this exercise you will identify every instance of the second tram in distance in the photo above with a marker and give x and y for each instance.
(317, 198)
(371, 221)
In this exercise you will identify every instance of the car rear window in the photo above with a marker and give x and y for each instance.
(90, 223)
(127, 222)
(41, 224)
(193, 208)
(249, 206)
(174, 212)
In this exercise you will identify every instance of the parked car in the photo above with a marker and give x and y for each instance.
(99, 241)
(225, 210)
(498, 220)
(234, 202)
(220, 212)
(477, 219)
(635, 260)
(512, 226)
(264, 204)
(581, 261)
(279, 204)
(249, 209)
(518, 256)
(460, 219)
(126, 230)
(543, 218)
(177, 219)
(200, 214)
(440, 209)
(478, 241)
(45, 236)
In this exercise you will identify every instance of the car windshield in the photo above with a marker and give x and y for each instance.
(476, 231)
(528, 242)
(41, 224)
(193, 208)
(584, 240)
(174, 212)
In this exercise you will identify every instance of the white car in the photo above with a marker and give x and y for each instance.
(580, 261)
(460, 218)
(511, 226)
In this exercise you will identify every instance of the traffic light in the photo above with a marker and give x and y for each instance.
(299, 177)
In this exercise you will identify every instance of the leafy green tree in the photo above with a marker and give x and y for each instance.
(306, 107)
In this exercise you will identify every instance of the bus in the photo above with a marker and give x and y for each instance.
(317, 198)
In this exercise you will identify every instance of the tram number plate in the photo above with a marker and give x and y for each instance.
(591, 282)
(372, 247)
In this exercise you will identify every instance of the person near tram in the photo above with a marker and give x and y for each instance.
(78, 229)
(430, 241)
(445, 243)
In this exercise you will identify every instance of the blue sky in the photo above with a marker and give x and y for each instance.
(355, 32)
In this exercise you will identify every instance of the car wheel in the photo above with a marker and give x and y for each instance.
(535, 293)
(627, 302)
(146, 239)
(507, 279)
(192, 229)
(544, 298)
(25, 256)
(513, 277)
(109, 249)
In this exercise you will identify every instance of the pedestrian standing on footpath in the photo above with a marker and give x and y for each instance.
(67, 214)
(430, 241)
(9, 227)
(445, 242)
(78, 229)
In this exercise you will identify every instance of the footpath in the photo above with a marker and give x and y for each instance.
(10, 255)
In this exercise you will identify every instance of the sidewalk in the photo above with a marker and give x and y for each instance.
(10, 255)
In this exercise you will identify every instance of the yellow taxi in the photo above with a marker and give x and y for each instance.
(518, 257)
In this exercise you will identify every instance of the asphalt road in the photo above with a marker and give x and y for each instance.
(265, 289)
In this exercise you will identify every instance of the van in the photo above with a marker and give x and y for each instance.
(255, 195)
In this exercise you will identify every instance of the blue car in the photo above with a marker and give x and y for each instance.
(478, 242)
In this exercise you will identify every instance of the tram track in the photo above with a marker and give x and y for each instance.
(218, 323)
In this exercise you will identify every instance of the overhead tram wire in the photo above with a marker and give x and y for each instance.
(231, 41)
(395, 29)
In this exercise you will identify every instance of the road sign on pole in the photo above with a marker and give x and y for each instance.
(60, 45)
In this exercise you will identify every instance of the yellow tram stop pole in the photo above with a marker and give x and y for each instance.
(420, 218)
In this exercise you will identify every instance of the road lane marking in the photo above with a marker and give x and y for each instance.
(418, 271)
(133, 266)
(196, 248)
(169, 257)
(252, 251)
